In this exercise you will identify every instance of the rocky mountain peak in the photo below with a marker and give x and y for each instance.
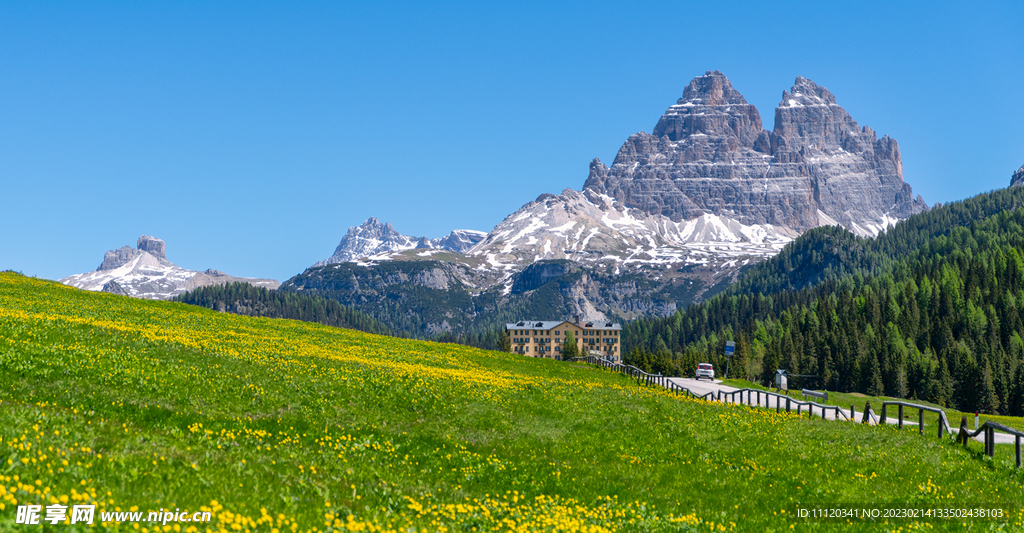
(711, 89)
(1018, 178)
(152, 245)
(711, 106)
(806, 93)
(808, 116)
(709, 154)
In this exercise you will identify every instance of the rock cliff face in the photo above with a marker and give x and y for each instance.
(710, 155)
(1018, 177)
(145, 272)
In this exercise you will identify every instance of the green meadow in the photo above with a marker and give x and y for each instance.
(277, 425)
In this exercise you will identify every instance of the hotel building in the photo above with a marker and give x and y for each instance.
(545, 338)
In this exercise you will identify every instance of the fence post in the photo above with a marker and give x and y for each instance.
(867, 411)
(920, 421)
(962, 436)
(990, 442)
(939, 423)
(1018, 451)
(778, 404)
(853, 413)
(901, 415)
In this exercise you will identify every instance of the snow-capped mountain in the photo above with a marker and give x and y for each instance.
(591, 227)
(145, 272)
(673, 220)
(371, 239)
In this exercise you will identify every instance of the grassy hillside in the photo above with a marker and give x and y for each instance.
(293, 426)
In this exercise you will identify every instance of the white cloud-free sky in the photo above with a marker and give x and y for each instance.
(250, 135)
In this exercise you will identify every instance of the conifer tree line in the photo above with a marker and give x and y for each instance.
(929, 310)
(244, 299)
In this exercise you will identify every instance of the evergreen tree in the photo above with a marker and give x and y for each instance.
(875, 386)
(1016, 405)
(739, 358)
(505, 342)
(570, 349)
(946, 388)
(770, 364)
(988, 401)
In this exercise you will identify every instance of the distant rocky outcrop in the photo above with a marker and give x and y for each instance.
(372, 238)
(114, 287)
(710, 155)
(1018, 177)
(145, 272)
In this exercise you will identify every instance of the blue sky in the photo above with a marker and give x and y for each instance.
(250, 135)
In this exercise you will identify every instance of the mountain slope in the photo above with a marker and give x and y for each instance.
(591, 228)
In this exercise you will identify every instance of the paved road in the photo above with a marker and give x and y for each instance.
(703, 386)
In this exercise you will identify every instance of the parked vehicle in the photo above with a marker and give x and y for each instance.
(705, 370)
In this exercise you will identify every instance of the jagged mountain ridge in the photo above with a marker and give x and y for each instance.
(372, 238)
(709, 154)
(145, 272)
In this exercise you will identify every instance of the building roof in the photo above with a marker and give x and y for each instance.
(536, 324)
(551, 324)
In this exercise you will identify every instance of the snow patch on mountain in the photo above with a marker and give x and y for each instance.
(591, 227)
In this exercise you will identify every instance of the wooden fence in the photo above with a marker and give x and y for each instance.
(753, 397)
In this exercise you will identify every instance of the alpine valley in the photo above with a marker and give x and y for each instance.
(676, 218)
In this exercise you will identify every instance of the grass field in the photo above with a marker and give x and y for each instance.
(289, 426)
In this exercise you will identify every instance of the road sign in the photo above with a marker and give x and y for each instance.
(730, 348)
